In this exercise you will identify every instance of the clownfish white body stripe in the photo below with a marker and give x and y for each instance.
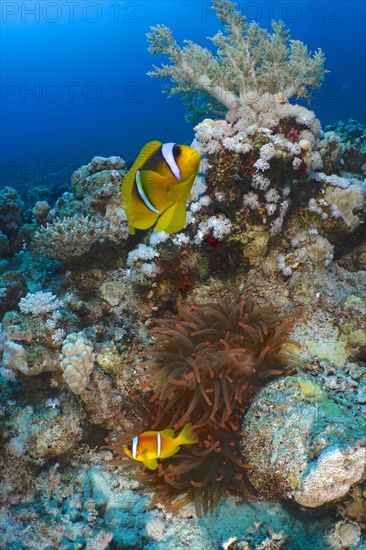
(158, 439)
(135, 443)
(149, 446)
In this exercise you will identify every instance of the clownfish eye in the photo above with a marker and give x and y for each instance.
(177, 150)
(129, 446)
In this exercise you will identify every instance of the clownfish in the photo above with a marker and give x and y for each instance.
(158, 185)
(149, 446)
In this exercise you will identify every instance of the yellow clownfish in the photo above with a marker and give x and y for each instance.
(149, 446)
(157, 186)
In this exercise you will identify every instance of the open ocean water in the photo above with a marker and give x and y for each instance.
(74, 80)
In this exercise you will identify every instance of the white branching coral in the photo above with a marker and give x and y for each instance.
(249, 61)
(217, 226)
(142, 252)
(262, 165)
(251, 200)
(39, 303)
(77, 361)
(140, 260)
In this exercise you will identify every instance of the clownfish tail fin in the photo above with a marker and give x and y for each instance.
(187, 436)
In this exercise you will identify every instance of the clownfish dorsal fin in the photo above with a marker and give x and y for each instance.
(154, 187)
(129, 180)
(145, 153)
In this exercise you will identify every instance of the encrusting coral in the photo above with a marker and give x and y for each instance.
(206, 366)
(251, 63)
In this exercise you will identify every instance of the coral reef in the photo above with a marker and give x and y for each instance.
(352, 136)
(104, 335)
(11, 210)
(91, 215)
(68, 237)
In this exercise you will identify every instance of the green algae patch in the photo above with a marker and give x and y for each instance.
(313, 392)
(332, 351)
(357, 338)
(331, 408)
(310, 389)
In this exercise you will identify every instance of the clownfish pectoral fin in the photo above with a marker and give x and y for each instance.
(170, 452)
(150, 463)
(131, 229)
(154, 187)
(129, 180)
(173, 219)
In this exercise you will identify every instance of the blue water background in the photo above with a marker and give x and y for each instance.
(74, 84)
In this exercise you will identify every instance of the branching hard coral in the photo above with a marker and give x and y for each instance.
(71, 237)
(250, 62)
(68, 237)
(205, 366)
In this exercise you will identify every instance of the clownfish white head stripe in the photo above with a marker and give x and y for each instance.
(158, 439)
(167, 151)
(142, 193)
(135, 442)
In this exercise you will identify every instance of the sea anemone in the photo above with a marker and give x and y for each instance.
(208, 362)
(205, 366)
